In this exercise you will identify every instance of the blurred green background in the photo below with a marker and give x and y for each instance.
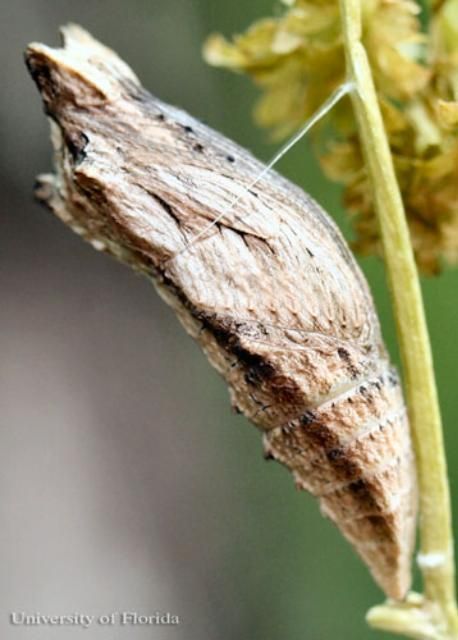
(127, 484)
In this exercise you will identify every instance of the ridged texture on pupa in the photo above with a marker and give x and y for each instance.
(272, 292)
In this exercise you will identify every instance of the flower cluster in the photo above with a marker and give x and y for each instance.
(297, 59)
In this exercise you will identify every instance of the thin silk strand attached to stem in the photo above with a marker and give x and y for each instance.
(325, 108)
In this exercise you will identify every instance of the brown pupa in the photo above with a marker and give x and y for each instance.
(271, 292)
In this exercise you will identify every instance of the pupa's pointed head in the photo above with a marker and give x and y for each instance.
(80, 72)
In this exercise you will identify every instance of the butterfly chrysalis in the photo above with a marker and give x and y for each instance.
(271, 292)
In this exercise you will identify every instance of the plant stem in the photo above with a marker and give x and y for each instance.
(436, 554)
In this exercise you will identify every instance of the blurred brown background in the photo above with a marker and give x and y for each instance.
(126, 483)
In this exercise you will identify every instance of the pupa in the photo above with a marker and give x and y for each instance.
(271, 292)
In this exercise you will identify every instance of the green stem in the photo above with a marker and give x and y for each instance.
(435, 515)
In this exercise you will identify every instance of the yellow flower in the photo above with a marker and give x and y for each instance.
(394, 44)
(297, 60)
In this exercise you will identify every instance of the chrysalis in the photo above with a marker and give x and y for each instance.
(271, 292)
